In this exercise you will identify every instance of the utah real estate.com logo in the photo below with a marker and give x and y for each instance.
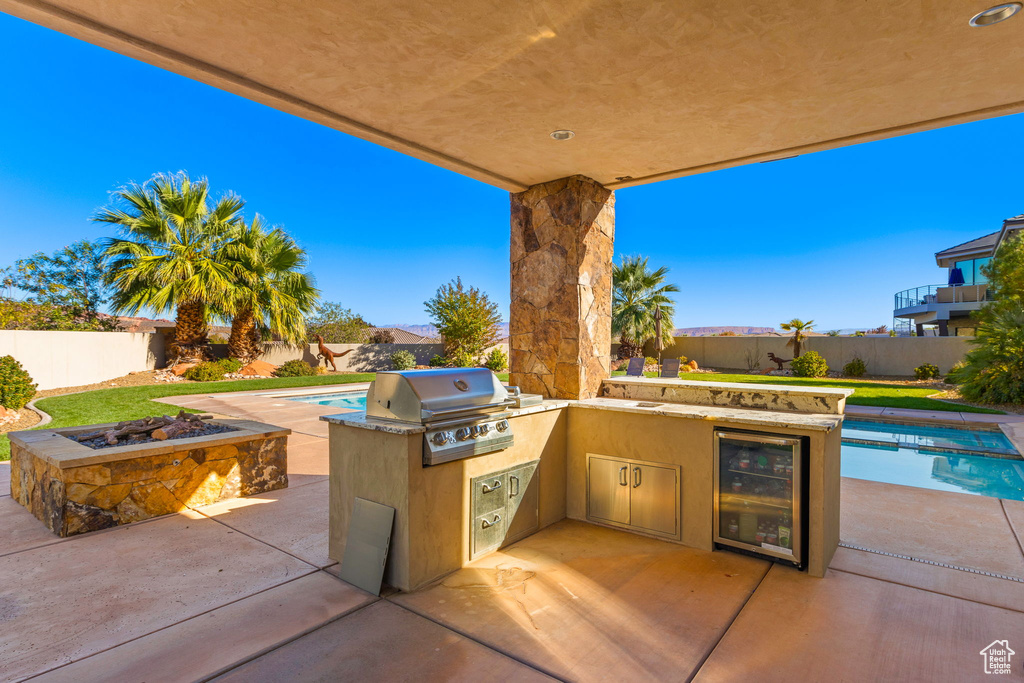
(997, 657)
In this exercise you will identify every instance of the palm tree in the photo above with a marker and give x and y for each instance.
(637, 292)
(798, 328)
(166, 257)
(271, 295)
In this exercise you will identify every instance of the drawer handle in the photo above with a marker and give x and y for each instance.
(487, 525)
(637, 477)
(493, 487)
(622, 476)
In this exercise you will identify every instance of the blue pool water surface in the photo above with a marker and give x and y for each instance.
(916, 455)
(353, 400)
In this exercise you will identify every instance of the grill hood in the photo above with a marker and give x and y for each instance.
(424, 396)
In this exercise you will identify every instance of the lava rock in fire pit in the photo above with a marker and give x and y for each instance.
(151, 429)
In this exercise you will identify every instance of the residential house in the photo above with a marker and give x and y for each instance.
(945, 309)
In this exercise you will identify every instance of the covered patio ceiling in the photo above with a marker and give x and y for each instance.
(653, 90)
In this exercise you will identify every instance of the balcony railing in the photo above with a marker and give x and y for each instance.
(941, 294)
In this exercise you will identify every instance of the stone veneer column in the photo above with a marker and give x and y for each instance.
(560, 321)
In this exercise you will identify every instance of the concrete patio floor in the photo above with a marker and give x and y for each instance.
(244, 591)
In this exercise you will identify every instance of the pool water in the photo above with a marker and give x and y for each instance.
(929, 436)
(352, 400)
(910, 455)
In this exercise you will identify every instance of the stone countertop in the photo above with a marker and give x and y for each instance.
(811, 421)
(361, 421)
(740, 386)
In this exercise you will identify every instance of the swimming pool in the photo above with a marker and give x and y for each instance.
(933, 457)
(353, 400)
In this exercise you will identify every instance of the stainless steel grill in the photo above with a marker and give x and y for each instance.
(464, 409)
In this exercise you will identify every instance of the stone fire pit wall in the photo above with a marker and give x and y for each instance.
(74, 489)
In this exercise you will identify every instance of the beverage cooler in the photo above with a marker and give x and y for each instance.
(760, 495)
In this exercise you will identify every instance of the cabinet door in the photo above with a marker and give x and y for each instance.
(608, 490)
(523, 502)
(653, 504)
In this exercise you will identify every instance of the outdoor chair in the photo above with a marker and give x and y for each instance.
(635, 368)
(670, 368)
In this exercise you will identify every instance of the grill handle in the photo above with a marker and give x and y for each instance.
(433, 415)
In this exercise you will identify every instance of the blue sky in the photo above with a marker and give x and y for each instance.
(829, 236)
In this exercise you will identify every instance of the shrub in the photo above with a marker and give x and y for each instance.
(462, 358)
(438, 361)
(650, 361)
(403, 360)
(230, 365)
(295, 368)
(958, 367)
(621, 365)
(209, 371)
(466, 319)
(855, 368)
(16, 387)
(809, 364)
(926, 371)
(497, 360)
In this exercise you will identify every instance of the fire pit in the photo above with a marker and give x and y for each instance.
(151, 429)
(75, 480)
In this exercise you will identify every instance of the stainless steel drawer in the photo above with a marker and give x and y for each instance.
(489, 493)
(488, 532)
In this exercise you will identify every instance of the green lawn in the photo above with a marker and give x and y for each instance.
(866, 392)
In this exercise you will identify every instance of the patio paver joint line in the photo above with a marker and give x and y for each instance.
(468, 636)
(931, 562)
(306, 632)
(1013, 529)
(725, 631)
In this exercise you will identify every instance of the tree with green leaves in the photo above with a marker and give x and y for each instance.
(993, 371)
(337, 324)
(167, 257)
(65, 291)
(70, 277)
(271, 293)
(467, 320)
(637, 292)
(798, 327)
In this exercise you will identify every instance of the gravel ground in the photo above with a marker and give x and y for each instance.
(27, 420)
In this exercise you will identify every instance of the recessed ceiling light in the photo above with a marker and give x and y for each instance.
(993, 15)
(562, 134)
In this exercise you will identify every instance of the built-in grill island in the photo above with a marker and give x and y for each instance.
(465, 410)
(470, 466)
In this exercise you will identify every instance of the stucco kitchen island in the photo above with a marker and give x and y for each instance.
(549, 471)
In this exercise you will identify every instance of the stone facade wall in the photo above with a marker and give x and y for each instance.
(560, 315)
(80, 499)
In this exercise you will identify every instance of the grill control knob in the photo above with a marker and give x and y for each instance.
(441, 438)
(464, 434)
(502, 426)
(483, 429)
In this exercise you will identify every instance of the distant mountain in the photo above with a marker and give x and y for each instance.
(431, 331)
(707, 331)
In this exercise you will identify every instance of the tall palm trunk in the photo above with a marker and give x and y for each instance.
(243, 343)
(190, 331)
(630, 349)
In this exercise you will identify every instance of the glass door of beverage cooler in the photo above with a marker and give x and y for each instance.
(757, 494)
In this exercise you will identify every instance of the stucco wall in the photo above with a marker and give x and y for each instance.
(883, 355)
(68, 359)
